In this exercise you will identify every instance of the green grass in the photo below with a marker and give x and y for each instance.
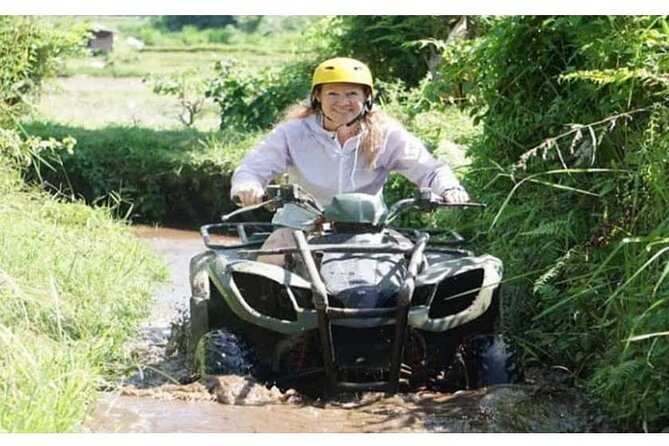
(74, 285)
(131, 63)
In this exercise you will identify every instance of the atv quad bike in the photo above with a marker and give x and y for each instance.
(359, 303)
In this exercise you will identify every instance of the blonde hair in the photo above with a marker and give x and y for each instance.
(372, 124)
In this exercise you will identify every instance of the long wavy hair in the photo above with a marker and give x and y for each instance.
(372, 124)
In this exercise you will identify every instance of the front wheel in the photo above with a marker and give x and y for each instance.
(221, 352)
(490, 360)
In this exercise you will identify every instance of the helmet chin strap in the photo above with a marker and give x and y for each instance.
(357, 118)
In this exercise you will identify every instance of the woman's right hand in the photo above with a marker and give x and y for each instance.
(249, 195)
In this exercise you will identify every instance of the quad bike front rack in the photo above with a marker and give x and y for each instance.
(325, 314)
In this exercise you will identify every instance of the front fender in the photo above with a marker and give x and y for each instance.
(199, 276)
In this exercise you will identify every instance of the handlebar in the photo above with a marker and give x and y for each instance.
(424, 199)
(278, 195)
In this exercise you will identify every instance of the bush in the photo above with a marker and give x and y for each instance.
(572, 162)
(31, 49)
(170, 177)
(188, 88)
(250, 99)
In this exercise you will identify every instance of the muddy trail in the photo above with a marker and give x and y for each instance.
(162, 395)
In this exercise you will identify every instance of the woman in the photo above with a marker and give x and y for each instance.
(340, 143)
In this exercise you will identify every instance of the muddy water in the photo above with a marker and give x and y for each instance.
(161, 395)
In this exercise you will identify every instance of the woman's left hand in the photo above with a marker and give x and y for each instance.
(455, 196)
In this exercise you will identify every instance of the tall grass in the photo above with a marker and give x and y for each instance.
(573, 164)
(74, 283)
(586, 250)
(74, 286)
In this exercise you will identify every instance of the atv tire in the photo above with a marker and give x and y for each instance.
(221, 352)
(490, 360)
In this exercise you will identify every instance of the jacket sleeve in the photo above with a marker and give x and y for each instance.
(267, 160)
(408, 156)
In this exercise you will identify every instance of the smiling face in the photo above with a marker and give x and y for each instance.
(341, 102)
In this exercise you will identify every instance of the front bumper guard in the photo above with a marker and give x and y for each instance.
(220, 270)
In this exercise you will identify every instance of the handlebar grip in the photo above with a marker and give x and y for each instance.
(469, 204)
(440, 202)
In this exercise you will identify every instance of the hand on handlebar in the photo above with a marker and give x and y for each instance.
(248, 195)
(455, 195)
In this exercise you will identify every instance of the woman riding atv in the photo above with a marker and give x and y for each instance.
(339, 143)
(355, 301)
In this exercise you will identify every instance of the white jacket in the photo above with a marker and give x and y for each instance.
(316, 161)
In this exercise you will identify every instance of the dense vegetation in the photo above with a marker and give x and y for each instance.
(73, 284)
(568, 147)
(573, 161)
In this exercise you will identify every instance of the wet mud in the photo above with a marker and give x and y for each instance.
(161, 394)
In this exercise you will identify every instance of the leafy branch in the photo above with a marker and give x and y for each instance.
(576, 130)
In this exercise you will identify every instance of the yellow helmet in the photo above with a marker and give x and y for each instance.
(342, 69)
